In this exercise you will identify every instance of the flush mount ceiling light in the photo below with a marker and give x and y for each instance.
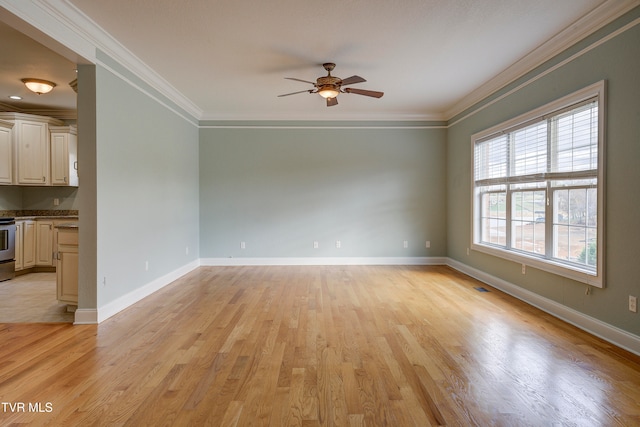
(39, 86)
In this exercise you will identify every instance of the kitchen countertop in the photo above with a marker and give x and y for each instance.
(27, 214)
(43, 217)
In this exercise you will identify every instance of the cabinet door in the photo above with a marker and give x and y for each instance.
(44, 243)
(64, 149)
(6, 158)
(33, 153)
(19, 244)
(59, 159)
(29, 244)
(67, 270)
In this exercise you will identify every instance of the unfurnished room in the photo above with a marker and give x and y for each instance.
(339, 213)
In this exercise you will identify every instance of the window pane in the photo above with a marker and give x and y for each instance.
(530, 150)
(493, 224)
(491, 158)
(575, 220)
(576, 139)
(528, 221)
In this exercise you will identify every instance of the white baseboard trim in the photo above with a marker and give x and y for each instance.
(136, 295)
(226, 262)
(86, 316)
(607, 332)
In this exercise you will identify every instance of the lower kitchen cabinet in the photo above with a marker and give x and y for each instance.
(44, 243)
(36, 241)
(67, 268)
(25, 244)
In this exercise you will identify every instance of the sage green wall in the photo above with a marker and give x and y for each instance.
(617, 61)
(279, 189)
(146, 185)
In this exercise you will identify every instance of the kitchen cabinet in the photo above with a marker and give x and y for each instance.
(19, 244)
(31, 147)
(36, 241)
(26, 246)
(6, 150)
(67, 269)
(64, 155)
(44, 243)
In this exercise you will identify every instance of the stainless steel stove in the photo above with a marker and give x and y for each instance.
(7, 248)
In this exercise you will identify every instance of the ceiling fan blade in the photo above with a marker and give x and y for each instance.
(371, 93)
(332, 101)
(353, 79)
(293, 93)
(300, 80)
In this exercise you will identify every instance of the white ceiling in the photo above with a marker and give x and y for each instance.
(432, 58)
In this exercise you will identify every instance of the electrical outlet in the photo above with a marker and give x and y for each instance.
(405, 244)
(315, 244)
(633, 304)
(146, 265)
(524, 269)
(467, 251)
(338, 244)
(186, 250)
(243, 245)
(428, 244)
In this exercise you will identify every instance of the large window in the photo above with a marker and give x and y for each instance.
(538, 187)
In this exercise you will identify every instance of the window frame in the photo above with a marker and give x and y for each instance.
(546, 263)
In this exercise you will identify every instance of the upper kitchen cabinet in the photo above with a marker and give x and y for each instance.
(44, 152)
(6, 158)
(64, 155)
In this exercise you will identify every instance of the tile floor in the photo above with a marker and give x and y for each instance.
(31, 298)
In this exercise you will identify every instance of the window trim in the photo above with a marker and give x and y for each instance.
(572, 272)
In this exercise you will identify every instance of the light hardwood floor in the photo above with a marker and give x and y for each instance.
(31, 298)
(343, 346)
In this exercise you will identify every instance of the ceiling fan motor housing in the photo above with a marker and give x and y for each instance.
(329, 81)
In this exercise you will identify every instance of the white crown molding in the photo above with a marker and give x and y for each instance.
(38, 15)
(62, 21)
(267, 127)
(602, 15)
(391, 117)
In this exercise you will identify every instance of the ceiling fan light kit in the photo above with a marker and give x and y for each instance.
(329, 87)
(38, 86)
(329, 91)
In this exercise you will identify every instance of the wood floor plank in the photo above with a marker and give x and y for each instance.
(319, 346)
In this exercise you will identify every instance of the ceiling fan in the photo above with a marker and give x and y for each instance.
(330, 87)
